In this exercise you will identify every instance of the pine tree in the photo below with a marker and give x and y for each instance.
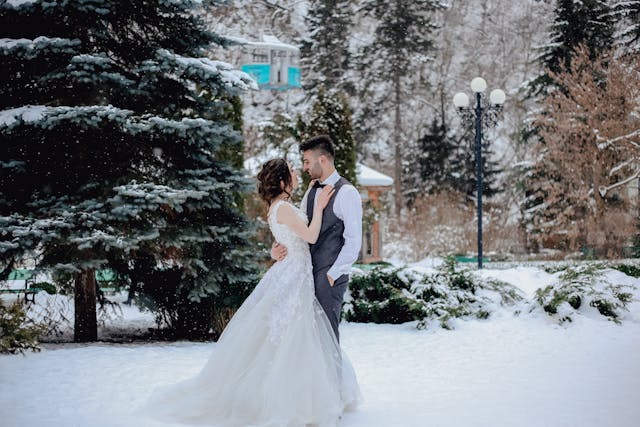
(627, 13)
(326, 59)
(402, 39)
(576, 22)
(104, 150)
(440, 161)
(427, 166)
(465, 179)
(331, 115)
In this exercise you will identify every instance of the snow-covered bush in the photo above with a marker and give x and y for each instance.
(397, 295)
(381, 296)
(628, 269)
(454, 292)
(17, 333)
(581, 287)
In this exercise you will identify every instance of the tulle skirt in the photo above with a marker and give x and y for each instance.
(266, 372)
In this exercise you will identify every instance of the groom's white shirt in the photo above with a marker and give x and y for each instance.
(347, 207)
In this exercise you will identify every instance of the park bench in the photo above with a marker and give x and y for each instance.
(29, 290)
(106, 279)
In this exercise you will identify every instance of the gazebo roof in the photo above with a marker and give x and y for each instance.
(368, 177)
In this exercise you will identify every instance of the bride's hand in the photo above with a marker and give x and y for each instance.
(325, 196)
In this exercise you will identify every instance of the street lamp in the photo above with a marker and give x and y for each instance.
(484, 113)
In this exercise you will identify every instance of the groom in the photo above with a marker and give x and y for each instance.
(340, 238)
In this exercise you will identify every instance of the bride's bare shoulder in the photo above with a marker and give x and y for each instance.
(285, 212)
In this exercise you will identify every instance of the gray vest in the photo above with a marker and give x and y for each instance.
(330, 241)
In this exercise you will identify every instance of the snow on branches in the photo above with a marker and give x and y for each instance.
(29, 49)
(590, 149)
(207, 70)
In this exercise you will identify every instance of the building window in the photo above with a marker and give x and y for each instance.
(260, 56)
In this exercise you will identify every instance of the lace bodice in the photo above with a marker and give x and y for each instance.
(284, 235)
(289, 281)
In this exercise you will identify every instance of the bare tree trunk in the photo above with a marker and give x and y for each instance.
(86, 324)
(600, 209)
(397, 138)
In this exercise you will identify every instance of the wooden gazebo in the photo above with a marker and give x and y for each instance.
(372, 184)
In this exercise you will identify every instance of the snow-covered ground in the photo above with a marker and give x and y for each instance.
(507, 370)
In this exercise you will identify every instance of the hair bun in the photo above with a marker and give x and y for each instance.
(272, 173)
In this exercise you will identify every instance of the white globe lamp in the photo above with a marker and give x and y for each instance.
(461, 100)
(478, 85)
(497, 97)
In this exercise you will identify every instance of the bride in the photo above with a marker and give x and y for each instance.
(277, 363)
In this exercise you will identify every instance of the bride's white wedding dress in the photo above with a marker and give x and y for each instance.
(277, 363)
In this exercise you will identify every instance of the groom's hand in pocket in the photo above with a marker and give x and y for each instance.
(278, 251)
(331, 281)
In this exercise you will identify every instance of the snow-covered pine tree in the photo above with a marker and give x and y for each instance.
(331, 115)
(428, 162)
(627, 14)
(326, 59)
(576, 22)
(104, 151)
(402, 41)
(440, 162)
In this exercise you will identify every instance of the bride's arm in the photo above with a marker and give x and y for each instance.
(309, 233)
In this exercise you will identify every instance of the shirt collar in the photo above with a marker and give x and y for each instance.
(332, 179)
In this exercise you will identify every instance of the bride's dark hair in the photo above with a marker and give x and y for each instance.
(269, 177)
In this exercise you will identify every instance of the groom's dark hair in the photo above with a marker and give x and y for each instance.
(321, 143)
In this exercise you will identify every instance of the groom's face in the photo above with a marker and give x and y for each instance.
(311, 163)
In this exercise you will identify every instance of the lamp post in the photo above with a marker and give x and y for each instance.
(483, 114)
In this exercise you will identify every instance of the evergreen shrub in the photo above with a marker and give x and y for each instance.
(454, 292)
(628, 269)
(378, 297)
(584, 286)
(17, 333)
(398, 295)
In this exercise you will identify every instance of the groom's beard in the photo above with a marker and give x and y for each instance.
(315, 172)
